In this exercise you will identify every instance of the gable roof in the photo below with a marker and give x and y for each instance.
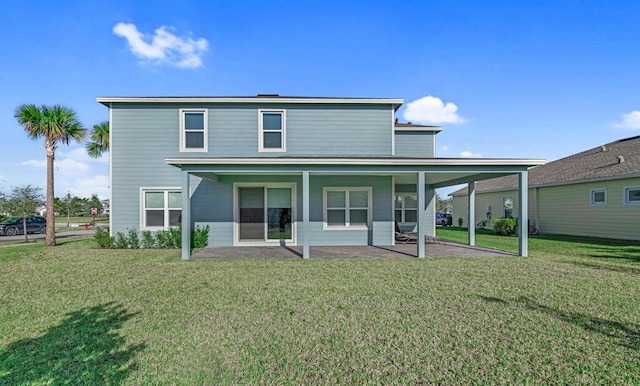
(618, 159)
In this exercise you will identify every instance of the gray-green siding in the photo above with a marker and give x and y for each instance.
(414, 144)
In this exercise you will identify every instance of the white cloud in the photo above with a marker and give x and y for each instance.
(80, 154)
(64, 165)
(432, 110)
(444, 147)
(468, 154)
(630, 121)
(163, 47)
(85, 187)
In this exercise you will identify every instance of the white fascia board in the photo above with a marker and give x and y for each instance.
(258, 100)
(435, 129)
(360, 161)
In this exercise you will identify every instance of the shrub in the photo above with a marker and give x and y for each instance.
(102, 237)
(174, 239)
(161, 239)
(147, 240)
(120, 241)
(200, 237)
(504, 226)
(132, 239)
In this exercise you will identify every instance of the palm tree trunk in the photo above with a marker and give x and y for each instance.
(50, 237)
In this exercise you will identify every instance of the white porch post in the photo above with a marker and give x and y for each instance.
(305, 215)
(186, 216)
(471, 187)
(422, 227)
(523, 216)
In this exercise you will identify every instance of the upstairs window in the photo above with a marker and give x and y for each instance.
(632, 196)
(193, 130)
(598, 197)
(272, 130)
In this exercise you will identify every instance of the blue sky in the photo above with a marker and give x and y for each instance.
(534, 79)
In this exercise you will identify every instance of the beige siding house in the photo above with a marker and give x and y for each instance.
(593, 193)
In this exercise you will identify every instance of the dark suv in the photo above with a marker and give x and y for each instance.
(15, 225)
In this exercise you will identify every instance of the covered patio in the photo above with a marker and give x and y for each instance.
(448, 249)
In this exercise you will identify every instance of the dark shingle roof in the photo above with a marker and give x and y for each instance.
(616, 159)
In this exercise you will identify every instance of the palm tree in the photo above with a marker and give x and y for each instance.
(99, 140)
(56, 124)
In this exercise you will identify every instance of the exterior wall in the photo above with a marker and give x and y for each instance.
(414, 143)
(566, 209)
(212, 204)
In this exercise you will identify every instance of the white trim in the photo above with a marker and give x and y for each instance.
(182, 140)
(393, 209)
(359, 161)
(142, 213)
(625, 197)
(265, 185)
(434, 129)
(302, 100)
(283, 131)
(347, 208)
(592, 201)
(110, 171)
(393, 133)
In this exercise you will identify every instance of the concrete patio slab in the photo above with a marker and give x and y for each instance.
(341, 252)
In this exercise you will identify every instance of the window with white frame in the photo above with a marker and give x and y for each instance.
(598, 197)
(406, 208)
(272, 130)
(161, 208)
(193, 130)
(347, 208)
(632, 195)
(507, 206)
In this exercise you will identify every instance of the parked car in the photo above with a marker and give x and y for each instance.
(444, 219)
(15, 225)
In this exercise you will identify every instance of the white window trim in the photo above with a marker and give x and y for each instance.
(403, 209)
(348, 226)
(625, 197)
(183, 133)
(592, 201)
(261, 147)
(143, 212)
(265, 185)
(513, 210)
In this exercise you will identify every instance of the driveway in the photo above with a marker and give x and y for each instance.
(40, 236)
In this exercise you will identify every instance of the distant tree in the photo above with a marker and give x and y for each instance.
(23, 202)
(69, 205)
(94, 202)
(3, 206)
(99, 140)
(56, 124)
(444, 205)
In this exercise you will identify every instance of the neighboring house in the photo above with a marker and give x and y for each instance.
(275, 170)
(593, 193)
(105, 206)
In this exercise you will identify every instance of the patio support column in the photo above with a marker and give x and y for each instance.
(305, 215)
(422, 211)
(471, 187)
(186, 216)
(523, 216)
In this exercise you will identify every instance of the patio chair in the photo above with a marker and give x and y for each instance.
(405, 237)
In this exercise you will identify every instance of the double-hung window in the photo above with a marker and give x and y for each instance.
(193, 130)
(598, 197)
(161, 208)
(406, 208)
(347, 208)
(272, 130)
(632, 195)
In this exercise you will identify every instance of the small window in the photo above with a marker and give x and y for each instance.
(406, 208)
(161, 208)
(598, 197)
(507, 206)
(272, 130)
(193, 130)
(348, 208)
(632, 196)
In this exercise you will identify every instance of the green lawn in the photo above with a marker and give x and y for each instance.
(77, 314)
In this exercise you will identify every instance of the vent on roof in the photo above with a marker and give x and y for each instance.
(620, 159)
(397, 120)
(603, 148)
(268, 95)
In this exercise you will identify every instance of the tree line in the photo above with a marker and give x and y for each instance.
(24, 201)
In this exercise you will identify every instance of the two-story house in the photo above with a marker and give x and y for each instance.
(275, 170)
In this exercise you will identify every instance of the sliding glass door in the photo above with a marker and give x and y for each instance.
(265, 213)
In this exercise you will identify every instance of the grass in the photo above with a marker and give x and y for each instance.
(79, 315)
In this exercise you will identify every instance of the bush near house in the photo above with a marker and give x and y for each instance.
(505, 226)
(162, 239)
